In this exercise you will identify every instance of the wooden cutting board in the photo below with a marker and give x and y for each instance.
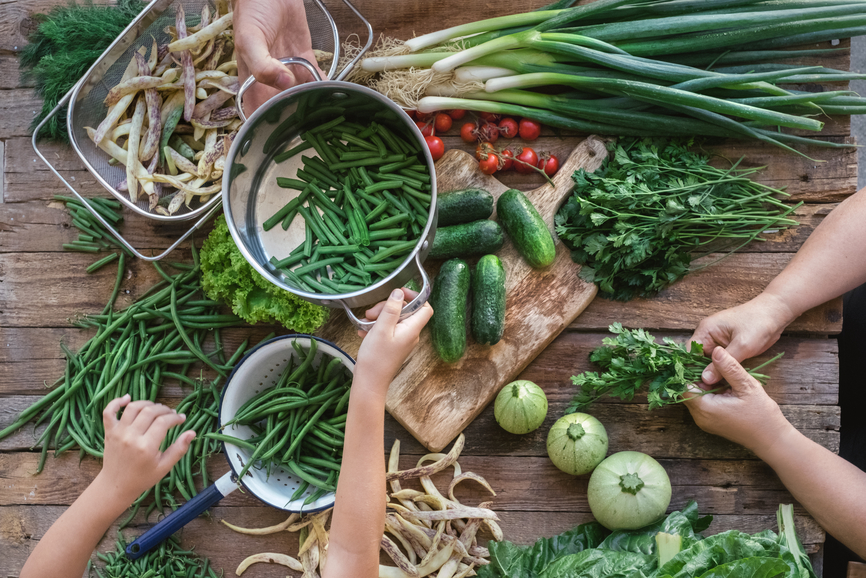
(435, 400)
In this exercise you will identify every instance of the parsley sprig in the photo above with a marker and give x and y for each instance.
(636, 222)
(632, 359)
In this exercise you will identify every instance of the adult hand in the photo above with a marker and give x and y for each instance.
(265, 31)
(745, 331)
(744, 414)
(389, 343)
(132, 461)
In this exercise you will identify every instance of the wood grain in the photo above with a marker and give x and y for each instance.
(718, 486)
(27, 178)
(23, 526)
(856, 570)
(736, 279)
(435, 400)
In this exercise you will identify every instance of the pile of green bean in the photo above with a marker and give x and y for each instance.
(93, 237)
(169, 559)
(133, 352)
(299, 423)
(365, 200)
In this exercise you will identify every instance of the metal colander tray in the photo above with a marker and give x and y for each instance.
(86, 106)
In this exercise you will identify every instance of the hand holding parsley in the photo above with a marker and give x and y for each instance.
(632, 359)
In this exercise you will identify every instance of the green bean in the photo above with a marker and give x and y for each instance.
(328, 125)
(387, 222)
(318, 265)
(80, 248)
(380, 146)
(355, 155)
(287, 262)
(291, 184)
(300, 491)
(381, 186)
(415, 175)
(393, 167)
(338, 249)
(359, 142)
(367, 162)
(284, 156)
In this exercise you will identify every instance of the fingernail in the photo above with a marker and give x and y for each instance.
(707, 376)
(397, 294)
(183, 415)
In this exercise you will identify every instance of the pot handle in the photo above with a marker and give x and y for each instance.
(408, 310)
(239, 98)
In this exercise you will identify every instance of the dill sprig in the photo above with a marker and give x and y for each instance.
(66, 43)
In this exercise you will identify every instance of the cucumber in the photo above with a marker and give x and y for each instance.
(526, 228)
(488, 300)
(464, 206)
(448, 299)
(467, 240)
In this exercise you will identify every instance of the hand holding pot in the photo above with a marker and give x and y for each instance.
(266, 30)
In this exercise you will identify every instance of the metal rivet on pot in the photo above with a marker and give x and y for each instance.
(425, 245)
(246, 146)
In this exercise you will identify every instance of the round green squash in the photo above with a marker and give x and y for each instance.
(628, 490)
(520, 407)
(577, 443)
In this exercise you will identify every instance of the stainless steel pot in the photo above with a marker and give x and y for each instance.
(251, 195)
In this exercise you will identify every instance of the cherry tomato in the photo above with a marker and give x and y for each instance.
(467, 132)
(489, 165)
(442, 122)
(423, 116)
(507, 158)
(411, 114)
(457, 113)
(508, 127)
(483, 150)
(529, 129)
(525, 162)
(488, 132)
(551, 165)
(488, 116)
(436, 146)
(426, 128)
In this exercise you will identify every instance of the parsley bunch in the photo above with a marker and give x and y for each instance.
(635, 223)
(632, 359)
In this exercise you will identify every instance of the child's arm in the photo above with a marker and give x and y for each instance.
(359, 512)
(132, 463)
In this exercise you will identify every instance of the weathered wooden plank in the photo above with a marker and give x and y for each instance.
(732, 281)
(2, 169)
(10, 74)
(719, 486)
(16, 20)
(806, 375)
(44, 226)
(829, 181)
(18, 106)
(856, 570)
(25, 526)
(36, 293)
(825, 182)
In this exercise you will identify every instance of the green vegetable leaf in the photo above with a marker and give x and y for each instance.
(636, 220)
(227, 276)
(632, 360)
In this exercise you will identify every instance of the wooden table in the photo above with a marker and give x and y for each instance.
(41, 287)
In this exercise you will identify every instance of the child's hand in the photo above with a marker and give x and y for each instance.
(390, 342)
(132, 462)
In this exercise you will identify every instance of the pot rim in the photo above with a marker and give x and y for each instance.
(328, 299)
